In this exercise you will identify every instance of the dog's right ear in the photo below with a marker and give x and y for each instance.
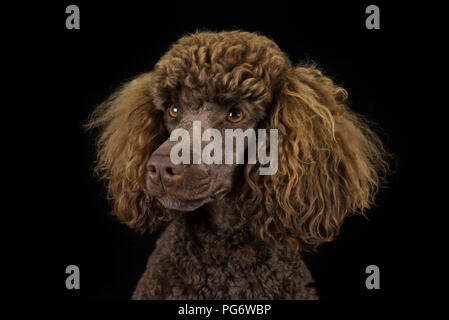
(130, 129)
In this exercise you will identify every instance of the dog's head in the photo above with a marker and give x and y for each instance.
(329, 161)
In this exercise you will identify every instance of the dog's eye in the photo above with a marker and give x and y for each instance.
(234, 115)
(173, 111)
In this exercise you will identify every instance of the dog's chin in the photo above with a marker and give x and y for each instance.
(175, 203)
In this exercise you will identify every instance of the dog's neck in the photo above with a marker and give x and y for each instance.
(222, 215)
(218, 219)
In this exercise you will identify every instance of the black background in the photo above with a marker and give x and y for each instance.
(78, 69)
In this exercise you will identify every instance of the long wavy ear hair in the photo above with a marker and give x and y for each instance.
(330, 164)
(129, 131)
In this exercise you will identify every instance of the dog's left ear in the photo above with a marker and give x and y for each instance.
(130, 129)
(330, 164)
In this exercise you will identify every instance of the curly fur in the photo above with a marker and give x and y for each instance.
(330, 165)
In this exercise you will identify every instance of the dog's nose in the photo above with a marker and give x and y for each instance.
(161, 169)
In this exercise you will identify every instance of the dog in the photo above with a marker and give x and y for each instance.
(230, 232)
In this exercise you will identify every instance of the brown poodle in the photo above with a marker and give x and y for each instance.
(233, 233)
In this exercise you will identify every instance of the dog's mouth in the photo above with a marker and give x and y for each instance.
(180, 203)
(169, 201)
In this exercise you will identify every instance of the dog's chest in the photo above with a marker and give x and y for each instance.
(211, 267)
(191, 263)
